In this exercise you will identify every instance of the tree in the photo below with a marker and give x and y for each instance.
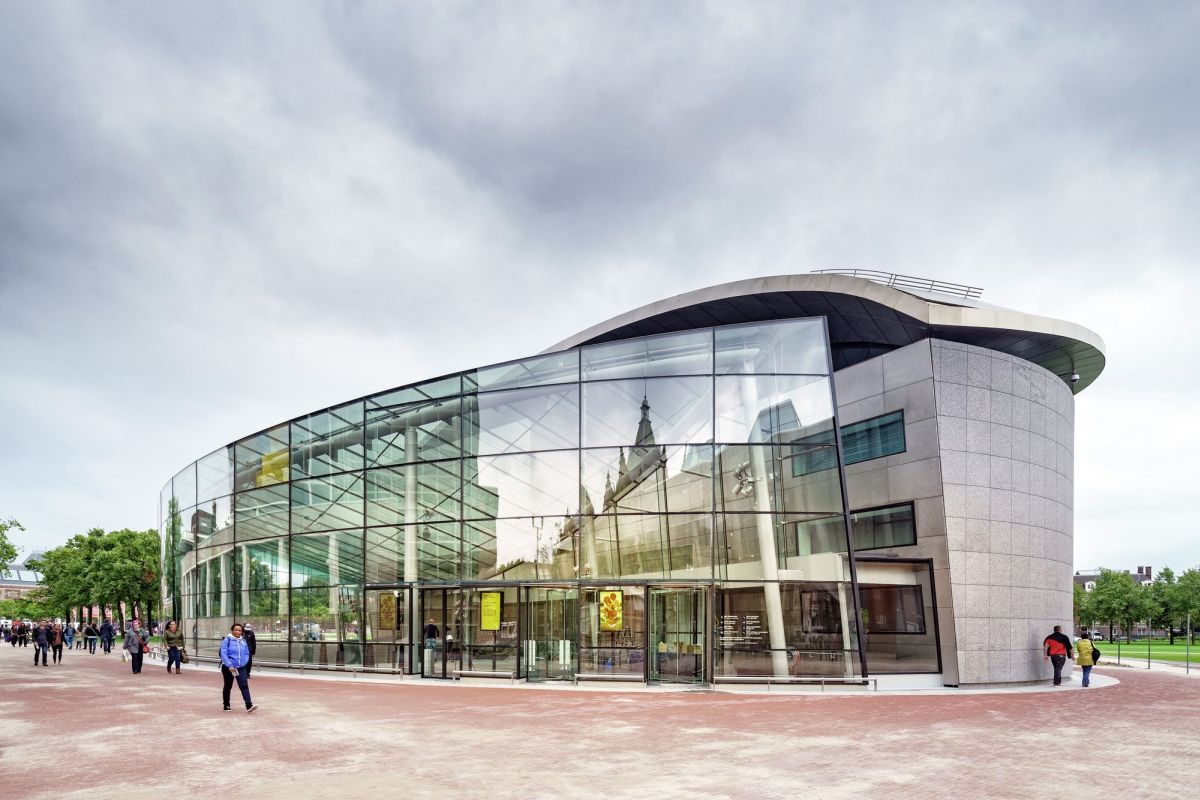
(8, 550)
(1085, 607)
(1117, 600)
(1188, 593)
(1164, 602)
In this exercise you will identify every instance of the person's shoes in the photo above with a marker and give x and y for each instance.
(226, 708)
(251, 708)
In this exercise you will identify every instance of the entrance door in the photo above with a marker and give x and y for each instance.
(550, 650)
(677, 621)
(388, 634)
(441, 634)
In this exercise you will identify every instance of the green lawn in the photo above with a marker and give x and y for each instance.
(1159, 650)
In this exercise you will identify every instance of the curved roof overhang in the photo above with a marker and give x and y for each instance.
(866, 319)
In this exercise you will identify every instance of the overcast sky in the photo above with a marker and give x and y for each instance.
(216, 217)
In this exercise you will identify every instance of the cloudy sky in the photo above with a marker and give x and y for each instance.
(216, 218)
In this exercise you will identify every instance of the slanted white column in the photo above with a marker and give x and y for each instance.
(767, 551)
(410, 532)
(245, 587)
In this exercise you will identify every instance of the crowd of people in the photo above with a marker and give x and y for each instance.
(50, 639)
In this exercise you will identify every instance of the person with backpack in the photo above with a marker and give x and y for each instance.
(1086, 654)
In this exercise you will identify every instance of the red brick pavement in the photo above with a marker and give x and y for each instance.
(89, 728)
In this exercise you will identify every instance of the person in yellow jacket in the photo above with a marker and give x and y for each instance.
(1085, 656)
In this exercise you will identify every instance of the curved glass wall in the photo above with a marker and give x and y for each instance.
(662, 508)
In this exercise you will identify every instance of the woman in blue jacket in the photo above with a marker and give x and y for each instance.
(235, 656)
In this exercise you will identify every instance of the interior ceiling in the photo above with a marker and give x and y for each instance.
(860, 329)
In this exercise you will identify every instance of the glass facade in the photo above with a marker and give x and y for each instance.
(667, 508)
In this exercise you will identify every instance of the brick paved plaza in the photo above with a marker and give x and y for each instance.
(82, 728)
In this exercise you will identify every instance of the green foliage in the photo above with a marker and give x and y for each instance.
(102, 568)
(31, 606)
(8, 550)
(1118, 599)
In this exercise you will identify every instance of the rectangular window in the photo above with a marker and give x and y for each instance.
(892, 526)
(861, 441)
(892, 609)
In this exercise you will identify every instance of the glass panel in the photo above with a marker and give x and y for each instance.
(759, 478)
(892, 526)
(540, 370)
(647, 480)
(214, 474)
(331, 441)
(551, 650)
(262, 513)
(429, 429)
(529, 549)
(645, 412)
(265, 565)
(772, 408)
(612, 627)
(322, 504)
(488, 645)
(385, 555)
(436, 493)
(523, 420)
(522, 485)
(792, 346)
(873, 438)
(646, 547)
(210, 524)
(813, 634)
(431, 390)
(262, 460)
(327, 559)
(183, 486)
(673, 354)
(326, 626)
(387, 620)
(439, 551)
(755, 545)
(677, 629)
(896, 601)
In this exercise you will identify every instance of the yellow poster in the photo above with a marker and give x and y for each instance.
(387, 611)
(611, 618)
(489, 611)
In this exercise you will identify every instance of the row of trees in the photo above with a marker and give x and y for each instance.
(95, 568)
(1118, 601)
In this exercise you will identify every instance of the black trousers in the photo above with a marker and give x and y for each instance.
(135, 658)
(57, 648)
(1058, 662)
(242, 677)
(38, 649)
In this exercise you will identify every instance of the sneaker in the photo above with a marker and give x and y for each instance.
(251, 708)
(226, 708)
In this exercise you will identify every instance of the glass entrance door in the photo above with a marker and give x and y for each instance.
(550, 649)
(388, 634)
(441, 632)
(677, 622)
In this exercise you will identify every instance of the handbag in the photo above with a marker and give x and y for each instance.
(183, 656)
(1095, 654)
(145, 648)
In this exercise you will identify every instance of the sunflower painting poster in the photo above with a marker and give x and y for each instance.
(611, 618)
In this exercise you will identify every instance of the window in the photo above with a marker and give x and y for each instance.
(891, 526)
(892, 609)
(861, 441)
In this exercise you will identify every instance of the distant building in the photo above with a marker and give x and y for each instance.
(18, 582)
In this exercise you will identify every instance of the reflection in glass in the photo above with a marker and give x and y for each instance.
(331, 441)
(262, 513)
(385, 555)
(523, 420)
(687, 353)
(214, 474)
(526, 549)
(183, 486)
(322, 504)
(772, 408)
(327, 559)
(424, 431)
(644, 412)
(647, 547)
(647, 480)
(793, 346)
(751, 546)
(612, 652)
(262, 459)
(538, 371)
(414, 493)
(210, 523)
(521, 485)
(422, 392)
(758, 478)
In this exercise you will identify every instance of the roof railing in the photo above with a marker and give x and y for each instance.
(908, 282)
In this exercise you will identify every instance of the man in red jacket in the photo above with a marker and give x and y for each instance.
(1057, 648)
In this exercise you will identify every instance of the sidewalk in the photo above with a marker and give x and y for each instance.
(81, 729)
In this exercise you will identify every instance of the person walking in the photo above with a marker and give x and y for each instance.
(57, 637)
(251, 642)
(69, 635)
(91, 633)
(1057, 649)
(26, 633)
(41, 642)
(137, 642)
(173, 640)
(235, 655)
(1085, 656)
(107, 634)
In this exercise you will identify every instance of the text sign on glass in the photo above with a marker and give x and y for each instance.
(489, 611)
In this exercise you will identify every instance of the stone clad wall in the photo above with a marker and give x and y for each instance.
(1006, 437)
